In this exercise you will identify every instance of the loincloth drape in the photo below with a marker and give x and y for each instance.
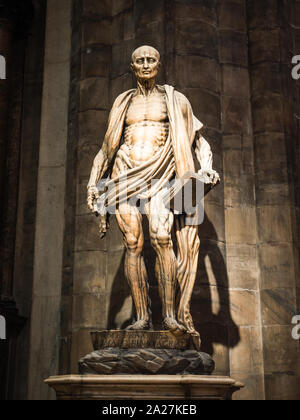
(139, 181)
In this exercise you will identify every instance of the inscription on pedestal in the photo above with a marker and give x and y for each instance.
(144, 340)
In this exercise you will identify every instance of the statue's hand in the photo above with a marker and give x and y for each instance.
(92, 197)
(210, 176)
(103, 225)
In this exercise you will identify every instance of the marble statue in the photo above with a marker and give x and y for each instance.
(151, 133)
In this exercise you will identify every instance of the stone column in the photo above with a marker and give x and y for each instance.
(51, 190)
(269, 53)
(244, 340)
(85, 259)
(292, 117)
(23, 248)
(15, 18)
(6, 28)
(14, 32)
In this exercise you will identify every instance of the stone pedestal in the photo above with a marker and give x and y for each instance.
(146, 362)
(147, 353)
(144, 365)
(143, 387)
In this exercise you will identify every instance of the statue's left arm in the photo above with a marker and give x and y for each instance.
(202, 148)
(205, 159)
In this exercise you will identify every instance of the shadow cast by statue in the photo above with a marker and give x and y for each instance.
(210, 305)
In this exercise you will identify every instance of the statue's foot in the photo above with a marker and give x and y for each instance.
(172, 325)
(139, 326)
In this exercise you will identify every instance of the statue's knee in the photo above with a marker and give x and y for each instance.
(162, 240)
(133, 244)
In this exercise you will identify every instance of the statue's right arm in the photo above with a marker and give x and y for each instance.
(105, 156)
(100, 166)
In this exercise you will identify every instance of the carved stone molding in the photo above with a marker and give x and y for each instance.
(143, 387)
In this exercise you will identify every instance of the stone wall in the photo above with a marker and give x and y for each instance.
(246, 358)
(272, 43)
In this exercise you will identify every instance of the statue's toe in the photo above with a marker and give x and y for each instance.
(139, 326)
(172, 325)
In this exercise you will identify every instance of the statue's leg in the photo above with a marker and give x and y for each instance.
(161, 221)
(130, 222)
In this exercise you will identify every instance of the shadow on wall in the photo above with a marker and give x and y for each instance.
(210, 306)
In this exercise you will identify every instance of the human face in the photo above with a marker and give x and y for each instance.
(145, 64)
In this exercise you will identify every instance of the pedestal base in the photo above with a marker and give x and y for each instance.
(146, 362)
(143, 387)
(147, 353)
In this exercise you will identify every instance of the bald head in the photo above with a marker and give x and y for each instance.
(145, 51)
(145, 63)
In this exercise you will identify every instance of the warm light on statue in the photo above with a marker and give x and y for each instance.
(159, 130)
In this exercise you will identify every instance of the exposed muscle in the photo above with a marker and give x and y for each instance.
(146, 126)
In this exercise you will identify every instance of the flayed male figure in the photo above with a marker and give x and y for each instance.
(151, 132)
